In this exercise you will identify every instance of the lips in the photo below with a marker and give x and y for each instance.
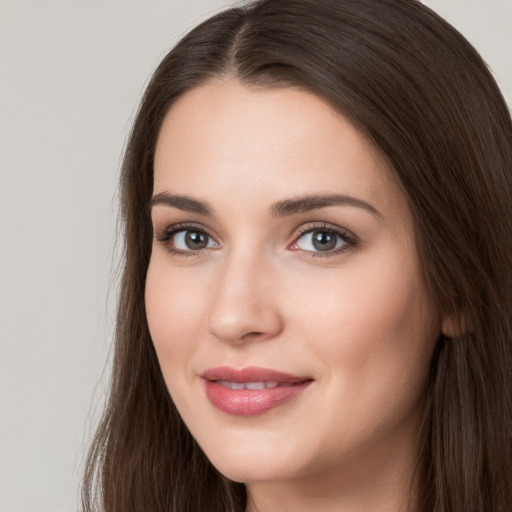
(251, 391)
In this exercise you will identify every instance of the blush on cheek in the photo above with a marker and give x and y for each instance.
(376, 323)
(174, 320)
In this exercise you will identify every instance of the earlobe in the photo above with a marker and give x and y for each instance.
(454, 325)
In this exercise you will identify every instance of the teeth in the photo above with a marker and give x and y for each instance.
(251, 385)
(254, 385)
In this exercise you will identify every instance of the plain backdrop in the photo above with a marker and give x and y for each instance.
(71, 75)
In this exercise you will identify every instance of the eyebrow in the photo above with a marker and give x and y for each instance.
(184, 203)
(314, 202)
(280, 209)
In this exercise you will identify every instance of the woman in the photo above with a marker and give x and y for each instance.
(315, 309)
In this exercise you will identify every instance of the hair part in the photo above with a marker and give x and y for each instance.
(423, 96)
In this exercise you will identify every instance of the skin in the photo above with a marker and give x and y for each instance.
(358, 320)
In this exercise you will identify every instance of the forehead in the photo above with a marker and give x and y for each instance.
(263, 143)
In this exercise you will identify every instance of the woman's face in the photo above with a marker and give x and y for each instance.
(285, 296)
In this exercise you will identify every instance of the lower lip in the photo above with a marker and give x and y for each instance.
(251, 402)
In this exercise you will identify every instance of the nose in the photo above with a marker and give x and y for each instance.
(243, 306)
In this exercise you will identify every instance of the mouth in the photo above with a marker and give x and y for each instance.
(251, 391)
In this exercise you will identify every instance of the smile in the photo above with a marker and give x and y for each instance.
(251, 391)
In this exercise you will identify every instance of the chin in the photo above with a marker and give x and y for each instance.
(258, 461)
(250, 471)
(276, 465)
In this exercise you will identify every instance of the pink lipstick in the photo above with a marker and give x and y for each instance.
(251, 391)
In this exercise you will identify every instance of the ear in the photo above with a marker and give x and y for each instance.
(454, 325)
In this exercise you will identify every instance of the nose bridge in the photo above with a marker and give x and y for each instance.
(241, 305)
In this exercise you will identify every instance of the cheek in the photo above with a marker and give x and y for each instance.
(374, 334)
(174, 309)
(374, 324)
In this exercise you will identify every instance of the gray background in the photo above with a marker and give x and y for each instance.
(71, 74)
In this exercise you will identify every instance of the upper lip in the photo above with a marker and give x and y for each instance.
(250, 374)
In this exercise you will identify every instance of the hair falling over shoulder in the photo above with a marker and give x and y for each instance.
(424, 97)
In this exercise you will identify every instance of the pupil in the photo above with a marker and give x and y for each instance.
(324, 241)
(196, 240)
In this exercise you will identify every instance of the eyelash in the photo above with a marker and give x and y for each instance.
(349, 239)
(166, 235)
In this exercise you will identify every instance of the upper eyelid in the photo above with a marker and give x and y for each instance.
(182, 226)
(322, 225)
(301, 229)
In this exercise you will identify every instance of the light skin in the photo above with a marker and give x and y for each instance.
(236, 279)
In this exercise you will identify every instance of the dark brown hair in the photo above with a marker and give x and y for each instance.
(416, 88)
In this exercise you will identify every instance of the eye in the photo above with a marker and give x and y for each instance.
(192, 240)
(179, 239)
(319, 240)
(327, 240)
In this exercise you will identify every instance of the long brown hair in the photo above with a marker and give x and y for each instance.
(416, 88)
